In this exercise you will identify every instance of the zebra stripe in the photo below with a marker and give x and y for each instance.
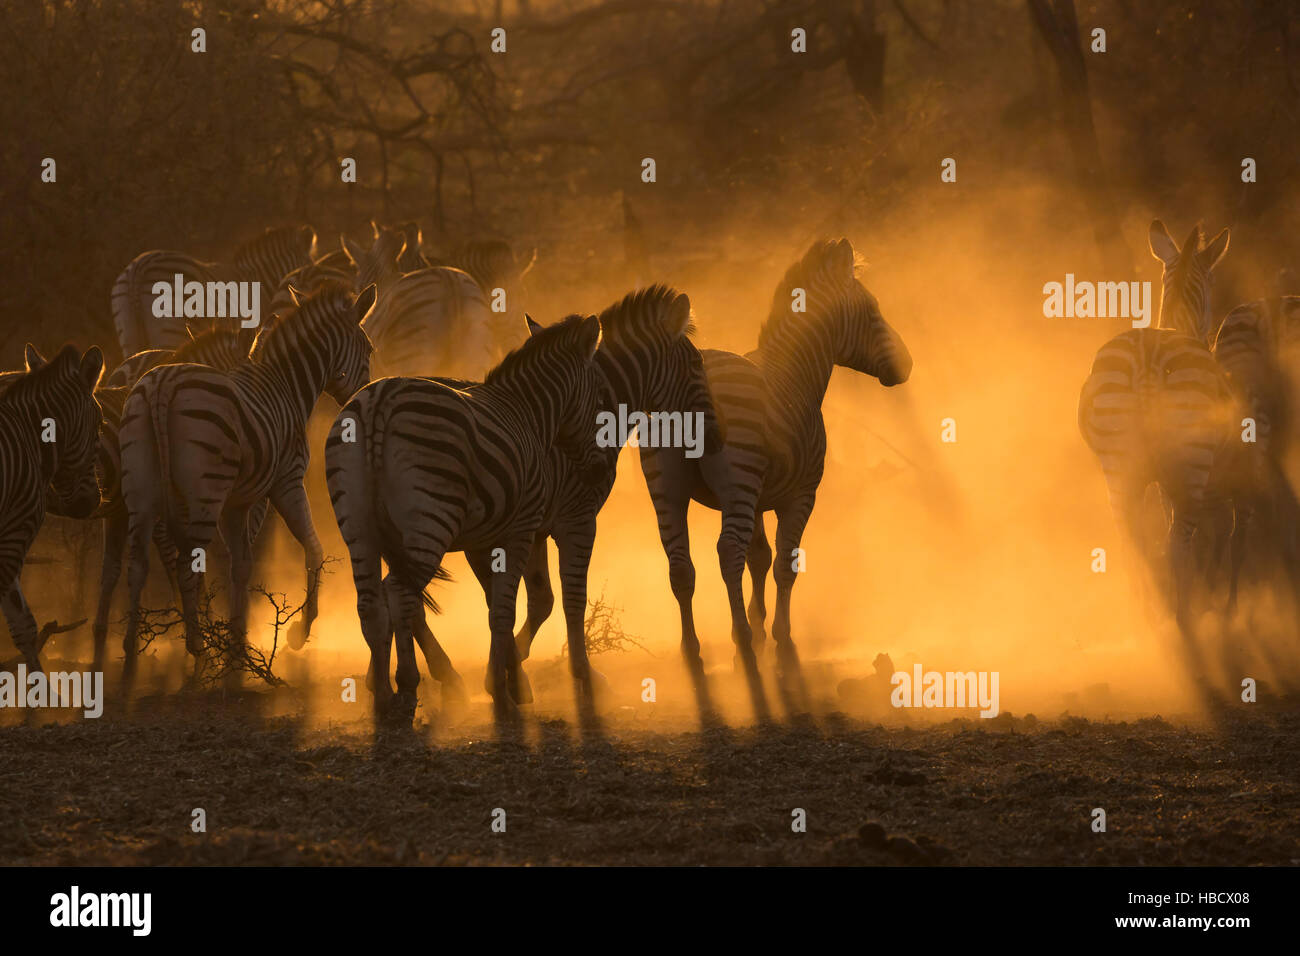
(201, 447)
(266, 259)
(649, 364)
(432, 320)
(1186, 282)
(416, 468)
(62, 392)
(1155, 408)
(1256, 346)
(769, 408)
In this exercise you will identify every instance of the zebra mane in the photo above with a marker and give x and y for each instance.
(813, 271)
(642, 314)
(213, 339)
(331, 298)
(290, 241)
(548, 341)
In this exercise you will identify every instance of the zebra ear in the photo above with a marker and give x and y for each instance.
(1212, 253)
(92, 367)
(296, 295)
(308, 236)
(374, 230)
(590, 337)
(33, 358)
(1162, 244)
(843, 258)
(366, 302)
(679, 315)
(533, 327)
(532, 260)
(352, 250)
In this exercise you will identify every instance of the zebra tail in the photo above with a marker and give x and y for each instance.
(370, 448)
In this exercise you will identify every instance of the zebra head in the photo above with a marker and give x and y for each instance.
(1186, 286)
(274, 254)
(860, 338)
(650, 362)
(62, 394)
(381, 264)
(569, 347)
(323, 334)
(412, 257)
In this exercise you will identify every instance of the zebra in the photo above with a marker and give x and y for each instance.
(1256, 346)
(768, 404)
(218, 348)
(416, 468)
(381, 264)
(648, 363)
(441, 313)
(1155, 409)
(49, 430)
(201, 447)
(412, 257)
(266, 259)
(435, 318)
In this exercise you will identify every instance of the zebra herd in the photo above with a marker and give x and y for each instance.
(1203, 414)
(447, 440)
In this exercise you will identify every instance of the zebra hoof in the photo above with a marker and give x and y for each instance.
(521, 691)
(297, 636)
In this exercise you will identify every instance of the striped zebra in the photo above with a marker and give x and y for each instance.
(417, 468)
(219, 348)
(439, 315)
(649, 364)
(266, 259)
(494, 265)
(49, 429)
(435, 319)
(1258, 347)
(412, 257)
(769, 409)
(1155, 409)
(202, 447)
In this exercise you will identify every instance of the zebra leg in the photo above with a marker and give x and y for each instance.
(182, 543)
(435, 658)
(738, 519)
(114, 527)
(503, 659)
(520, 691)
(22, 626)
(139, 532)
(234, 531)
(790, 523)
(404, 609)
(373, 613)
(759, 560)
(1188, 517)
(668, 481)
(541, 599)
(1244, 521)
(575, 543)
(291, 502)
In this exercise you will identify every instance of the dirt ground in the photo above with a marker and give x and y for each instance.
(284, 779)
